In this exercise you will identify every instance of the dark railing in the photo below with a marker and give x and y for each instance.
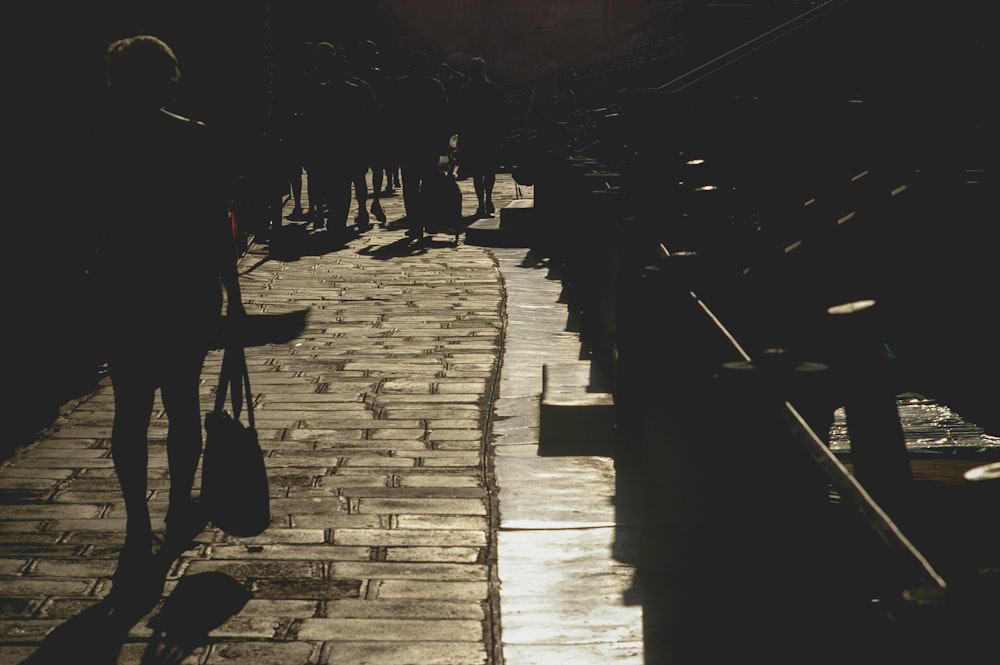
(748, 248)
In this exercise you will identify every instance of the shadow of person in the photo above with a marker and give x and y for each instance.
(96, 635)
(392, 250)
(198, 604)
(260, 329)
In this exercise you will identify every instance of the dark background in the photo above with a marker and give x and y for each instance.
(927, 69)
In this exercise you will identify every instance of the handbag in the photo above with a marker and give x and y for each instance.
(234, 486)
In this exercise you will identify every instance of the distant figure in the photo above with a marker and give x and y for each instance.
(166, 251)
(483, 118)
(421, 112)
(553, 109)
(337, 112)
(366, 67)
(288, 103)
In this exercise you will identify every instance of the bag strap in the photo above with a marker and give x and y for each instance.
(234, 377)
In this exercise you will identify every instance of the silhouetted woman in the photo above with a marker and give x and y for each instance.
(483, 115)
(422, 121)
(167, 251)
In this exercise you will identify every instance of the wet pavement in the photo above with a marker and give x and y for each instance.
(414, 519)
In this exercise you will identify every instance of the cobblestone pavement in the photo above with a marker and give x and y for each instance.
(399, 433)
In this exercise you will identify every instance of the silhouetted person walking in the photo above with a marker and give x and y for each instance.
(166, 251)
(366, 66)
(292, 84)
(337, 112)
(483, 117)
(422, 107)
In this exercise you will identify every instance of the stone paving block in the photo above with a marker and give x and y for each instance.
(446, 522)
(451, 445)
(85, 496)
(425, 506)
(467, 555)
(274, 587)
(57, 463)
(378, 462)
(293, 551)
(385, 571)
(24, 586)
(329, 503)
(264, 652)
(387, 609)
(424, 491)
(71, 567)
(440, 480)
(380, 434)
(391, 630)
(247, 628)
(276, 535)
(406, 537)
(604, 653)
(23, 526)
(335, 520)
(20, 608)
(28, 539)
(79, 451)
(49, 511)
(19, 630)
(432, 590)
(420, 411)
(449, 459)
(244, 567)
(425, 653)
(278, 608)
(8, 472)
(12, 566)
(398, 399)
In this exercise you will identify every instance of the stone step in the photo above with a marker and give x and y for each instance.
(577, 410)
(513, 228)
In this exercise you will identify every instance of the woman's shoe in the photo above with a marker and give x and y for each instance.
(138, 579)
(489, 208)
(183, 526)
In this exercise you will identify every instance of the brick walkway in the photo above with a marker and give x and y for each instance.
(376, 422)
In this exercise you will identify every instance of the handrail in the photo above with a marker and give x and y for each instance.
(749, 47)
(840, 478)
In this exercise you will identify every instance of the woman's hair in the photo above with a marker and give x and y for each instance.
(142, 64)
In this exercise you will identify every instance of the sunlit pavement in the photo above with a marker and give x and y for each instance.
(414, 520)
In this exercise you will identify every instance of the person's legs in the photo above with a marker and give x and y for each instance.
(134, 395)
(489, 181)
(377, 173)
(295, 182)
(411, 178)
(361, 196)
(479, 186)
(182, 403)
(135, 580)
(339, 201)
(316, 186)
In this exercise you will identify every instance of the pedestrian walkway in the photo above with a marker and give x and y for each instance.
(414, 521)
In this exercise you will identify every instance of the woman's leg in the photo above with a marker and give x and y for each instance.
(134, 394)
(489, 181)
(182, 403)
(479, 185)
